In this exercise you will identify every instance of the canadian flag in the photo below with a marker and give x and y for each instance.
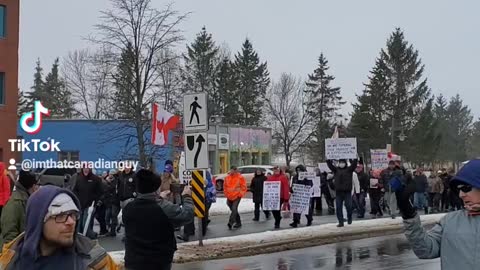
(162, 123)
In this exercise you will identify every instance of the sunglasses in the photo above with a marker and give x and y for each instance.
(465, 188)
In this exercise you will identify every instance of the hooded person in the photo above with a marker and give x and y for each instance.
(303, 182)
(151, 245)
(455, 238)
(12, 222)
(343, 177)
(5, 190)
(50, 240)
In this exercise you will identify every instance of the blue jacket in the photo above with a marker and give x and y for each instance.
(210, 191)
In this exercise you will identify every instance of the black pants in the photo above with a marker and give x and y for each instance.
(445, 200)
(328, 199)
(257, 211)
(344, 197)
(375, 196)
(277, 214)
(455, 202)
(297, 217)
(100, 216)
(189, 229)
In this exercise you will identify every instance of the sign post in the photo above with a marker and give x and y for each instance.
(195, 127)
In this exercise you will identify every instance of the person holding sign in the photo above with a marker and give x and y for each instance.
(343, 187)
(284, 192)
(297, 180)
(235, 188)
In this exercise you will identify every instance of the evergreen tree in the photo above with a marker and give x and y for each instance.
(57, 98)
(123, 105)
(252, 82)
(201, 68)
(324, 103)
(226, 83)
(38, 89)
(459, 119)
(474, 142)
(22, 104)
(441, 128)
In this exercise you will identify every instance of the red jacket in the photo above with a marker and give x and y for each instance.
(284, 186)
(4, 185)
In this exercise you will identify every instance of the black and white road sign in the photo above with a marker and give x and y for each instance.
(196, 151)
(195, 112)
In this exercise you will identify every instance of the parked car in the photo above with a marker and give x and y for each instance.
(247, 172)
(55, 176)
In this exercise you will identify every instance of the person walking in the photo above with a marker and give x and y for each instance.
(455, 237)
(256, 187)
(375, 192)
(364, 181)
(303, 182)
(278, 176)
(12, 221)
(436, 191)
(235, 188)
(391, 175)
(150, 244)
(112, 202)
(343, 187)
(421, 188)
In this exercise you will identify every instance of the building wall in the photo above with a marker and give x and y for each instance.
(95, 139)
(9, 65)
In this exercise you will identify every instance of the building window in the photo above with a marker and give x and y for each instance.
(69, 155)
(2, 88)
(3, 21)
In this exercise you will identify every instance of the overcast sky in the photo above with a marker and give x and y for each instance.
(290, 35)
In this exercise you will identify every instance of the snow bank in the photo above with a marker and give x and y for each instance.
(214, 248)
(220, 207)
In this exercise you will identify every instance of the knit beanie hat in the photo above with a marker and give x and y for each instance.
(27, 179)
(147, 181)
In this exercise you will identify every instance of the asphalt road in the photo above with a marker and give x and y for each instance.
(390, 252)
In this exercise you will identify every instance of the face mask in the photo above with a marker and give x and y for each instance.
(342, 165)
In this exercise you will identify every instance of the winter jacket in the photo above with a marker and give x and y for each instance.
(234, 186)
(421, 183)
(12, 221)
(23, 252)
(210, 191)
(88, 189)
(110, 196)
(5, 190)
(256, 187)
(167, 180)
(284, 187)
(435, 184)
(455, 239)
(126, 187)
(385, 177)
(343, 176)
(364, 180)
(152, 244)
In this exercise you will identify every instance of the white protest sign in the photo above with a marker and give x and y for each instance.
(300, 200)
(341, 148)
(324, 167)
(317, 191)
(271, 196)
(306, 175)
(379, 158)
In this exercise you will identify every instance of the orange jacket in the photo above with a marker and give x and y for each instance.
(235, 186)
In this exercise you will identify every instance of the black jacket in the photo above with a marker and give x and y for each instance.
(364, 180)
(421, 183)
(256, 187)
(88, 189)
(126, 186)
(343, 177)
(148, 245)
(305, 182)
(110, 196)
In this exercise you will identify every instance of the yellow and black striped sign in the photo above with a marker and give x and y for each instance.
(198, 193)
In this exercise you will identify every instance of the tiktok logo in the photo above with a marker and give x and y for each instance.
(36, 117)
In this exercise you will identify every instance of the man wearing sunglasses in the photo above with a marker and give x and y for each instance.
(455, 239)
(50, 240)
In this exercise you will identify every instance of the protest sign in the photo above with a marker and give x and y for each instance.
(341, 148)
(324, 167)
(379, 158)
(300, 200)
(271, 196)
(306, 175)
(316, 192)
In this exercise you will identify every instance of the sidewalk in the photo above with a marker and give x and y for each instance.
(274, 241)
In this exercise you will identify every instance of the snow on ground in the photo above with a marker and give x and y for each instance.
(220, 207)
(324, 230)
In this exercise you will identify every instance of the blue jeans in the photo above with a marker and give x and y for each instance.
(419, 200)
(344, 196)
